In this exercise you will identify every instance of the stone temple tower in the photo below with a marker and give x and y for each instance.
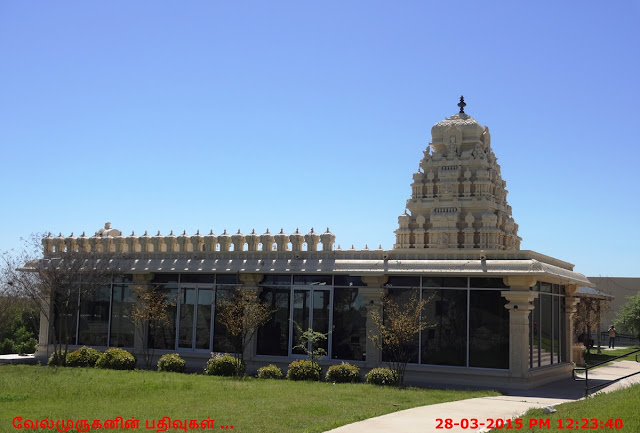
(458, 196)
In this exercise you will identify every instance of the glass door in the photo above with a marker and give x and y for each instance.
(195, 312)
(311, 308)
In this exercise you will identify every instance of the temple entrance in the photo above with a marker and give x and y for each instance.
(195, 310)
(311, 308)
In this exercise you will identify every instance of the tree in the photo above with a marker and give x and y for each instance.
(628, 317)
(55, 283)
(310, 341)
(585, 319)
(149, 311)
(19, 323)
(242, 313)
(397, 330)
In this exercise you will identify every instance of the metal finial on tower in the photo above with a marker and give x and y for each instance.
(462, 104)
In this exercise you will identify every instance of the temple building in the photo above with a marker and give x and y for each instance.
(499, 316)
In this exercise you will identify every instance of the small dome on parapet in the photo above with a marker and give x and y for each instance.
(108, 231)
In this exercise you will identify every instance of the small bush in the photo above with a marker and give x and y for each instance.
(116, 359)
(83, 357)
(27, 347)
(270, 372)
(6, 347)
(171, 362)
(224, 365)
(343, 373)
(304, 369)
(56, 358)
(382, 376)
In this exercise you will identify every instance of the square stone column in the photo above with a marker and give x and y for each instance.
(373, 293)
(520, 299)
(570, 308)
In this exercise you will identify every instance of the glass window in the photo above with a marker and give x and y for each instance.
(162, 334)
(535, 342)
(122, 327)
(545, 287)
(349, 336)
(227, 279)
(165, 278)
(401, 281)
(402, 297)
(563, 324)
(203, 319)
(455, 282)
(65, 320)
(222, 338)
(187, 306)
(94, 317)
(488, 283)
(197, 278)
(301, 315)
(276, 280)
(555, 303)
(311, 309)
(348, 281)
(444, 342)
(488, 330)
(316, 280)
(273, 337)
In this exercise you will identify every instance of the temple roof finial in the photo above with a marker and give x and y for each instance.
(462, 104)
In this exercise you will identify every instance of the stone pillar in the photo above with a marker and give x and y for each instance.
(142, 283)
(46, 324)
(373, 294)
(250, 283)
(570, 308)
(520, 305)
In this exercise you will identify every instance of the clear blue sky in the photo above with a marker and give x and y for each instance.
(163, 115)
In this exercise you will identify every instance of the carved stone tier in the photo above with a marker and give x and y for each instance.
(458, 196)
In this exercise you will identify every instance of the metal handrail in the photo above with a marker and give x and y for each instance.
(587, 388)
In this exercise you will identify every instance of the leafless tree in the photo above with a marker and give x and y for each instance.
(242, 313)
(150, 310)
(56, 283)
(397, 330)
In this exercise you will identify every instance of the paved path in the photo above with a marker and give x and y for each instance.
(17, 359)
(423, 419)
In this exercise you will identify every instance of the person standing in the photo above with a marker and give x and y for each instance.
(612, 337)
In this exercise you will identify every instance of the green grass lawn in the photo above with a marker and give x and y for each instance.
(594, 358)
(250, 405)
(622, 405)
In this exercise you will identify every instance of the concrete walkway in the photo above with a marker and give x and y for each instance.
(17, 359)
(423, 419)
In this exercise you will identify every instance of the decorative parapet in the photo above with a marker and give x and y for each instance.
(111, 241)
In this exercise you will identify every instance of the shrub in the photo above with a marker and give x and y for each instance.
(56, 358)
(304, 369)
(270, 372)
(28, 346)
(224, 365)
(6, 347)
(382, 376)
(116, 359)
(83, 357)
(343, 373)
(171, 362)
